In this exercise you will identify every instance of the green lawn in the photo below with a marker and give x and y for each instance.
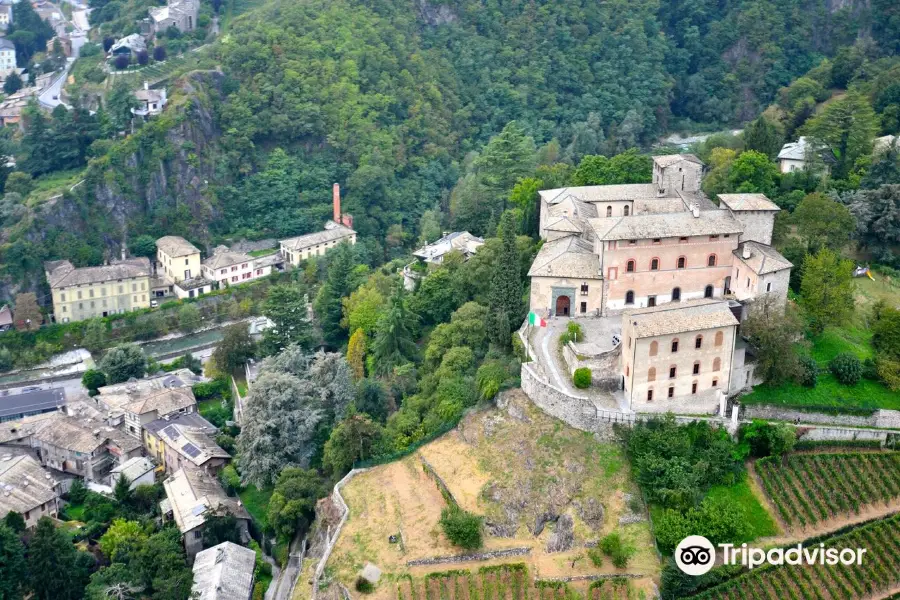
(761, 522)
(835, 340)
(75, 512)
(264, 252)
(866, 395)
(257, 502)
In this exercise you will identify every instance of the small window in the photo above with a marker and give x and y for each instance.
(625, 210)
(671, 392)
(657, 240)
(651, 374)
(769, 287)
(584, 307)
(714, 237)
(632, 242)
(654, 264)
(698, 342)
(727, 235)
(185, 261)
(682, 262)
(717, 364)
(694, 388)
(672, 371)
(697, 368)
(584, 289)
(651, 300)
(715, 383)
(629, 297)
(676, 294)
(708, 292)
(654, 348)
(711, 260)
(629, 266)
(682, 240)
(609, 211)
(748, 282)
(675, 345)
(720, 337)
(649, 395)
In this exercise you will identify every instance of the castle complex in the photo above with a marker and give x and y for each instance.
(675, 268)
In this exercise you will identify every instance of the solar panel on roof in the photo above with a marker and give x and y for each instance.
(172, 432)
(198, 510)
(191, 450)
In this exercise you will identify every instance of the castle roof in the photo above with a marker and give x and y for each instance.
(62, 273)
(681, 224)
(172, 245)
(741, 202)
(680, 317)
(566, 257)
(763, 258)
(666, 160)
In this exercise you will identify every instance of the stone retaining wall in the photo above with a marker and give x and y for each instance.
(883, 419)
(604, 366)
(442, 560)
(442, 486)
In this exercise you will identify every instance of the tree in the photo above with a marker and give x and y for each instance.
(877, 215)
(27, 313)
(461, 527)
(122, 491)
(292, 506)
(394, 343)
(143, 57)
(235, 348)
(120, 101)
(763, 136)
(144, 245)
(505, 296)
(12, 564)
(847, 126)
(339, 283)
(123, 362)
(161, 566)
(115, 582)
(285, 306)
(93, 380)
(753, 172)
(362, 309)
(124, 536)
(429, 227)
(220, 528)
(188, 318)
(507, 157)
(294, 396)
(121, 62)
(773, 331)
(94, 335)
(627, 167)
(372, 399)
(827, 290)
(15, 521)
(355, 438)
(438, 295)
(159, 53)
(823, 223)
(356, 353)
(12, 84)
(20, 183)
(524, 196)
(63, 575)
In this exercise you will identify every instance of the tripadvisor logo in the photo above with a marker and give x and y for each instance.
(696, 555)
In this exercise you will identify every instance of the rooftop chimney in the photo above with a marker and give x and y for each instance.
(146, 85)
(336, 201)
(746, 253)
(695, 210)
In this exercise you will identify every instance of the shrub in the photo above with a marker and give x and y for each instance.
(809, 371)
(596, 556)
(159, 53)
(78, 492)
(462, 528)
(259, 590)
(620, 552)
(93, 380)
(122, 61)
(143, 57)
(575, 332)
(210, 389)
(846, 368)
(364, 586)
(767, 439)
(582, 378)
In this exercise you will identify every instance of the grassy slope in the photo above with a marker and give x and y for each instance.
(740, 494)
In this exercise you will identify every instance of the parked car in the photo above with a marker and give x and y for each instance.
(154, 303)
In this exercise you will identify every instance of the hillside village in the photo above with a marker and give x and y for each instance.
(533, 338)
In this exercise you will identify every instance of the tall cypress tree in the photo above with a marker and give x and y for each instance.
(12, 564)
(505, 294)
(56, 571)
(394, 342)
(340, 283)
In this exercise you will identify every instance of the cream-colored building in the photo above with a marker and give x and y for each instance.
(315, 244)
(28, 489)
(89, 292)
(678, 356)
(7, 56)
(177, 258)
(227, 267)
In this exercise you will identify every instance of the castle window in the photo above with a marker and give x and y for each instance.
(675, 345)
(769, 287)
(713, 237)
(676, 294)
(629, 266)
(682, 262)
(698, 342)
(719, 338)
(717, 364)
(625, 210)
(654, 264)
(629, 297)
(711, 261)
(672, 371)
(584, 289)
(697, 367)
(715, 383)
(632, 242)
(654, 348)
(651, 374)
(694, 388)
(649, 395)
(657, 240)
(651, 300)
(609, 211)
(682, 240)
(671, 391)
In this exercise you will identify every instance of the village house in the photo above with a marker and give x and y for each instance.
(338, 230)
(6, 14)
(660, 251)
(90, 292)
(186, 440)
(227, 267)
(6, 318)
(155, 405)
(180, 14)
(150, 102)
(86, 447)
(192, 497)
(802, 154)
(13, 105)
(138, 470)
(131, 45)
(179, 270)
(433, 254)
(7, 56)
(224, 572)
(14, 407)
(28, 489)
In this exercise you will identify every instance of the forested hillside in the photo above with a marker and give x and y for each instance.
(393, 98)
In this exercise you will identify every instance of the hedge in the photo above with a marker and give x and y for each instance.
(582, 378)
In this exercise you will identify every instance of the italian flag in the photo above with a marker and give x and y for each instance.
(535, 320)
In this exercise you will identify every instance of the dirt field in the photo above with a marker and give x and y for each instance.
(525, 473)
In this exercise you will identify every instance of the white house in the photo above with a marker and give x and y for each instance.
(139, 470)
(152, 102)
(7, 57)
(795, 156)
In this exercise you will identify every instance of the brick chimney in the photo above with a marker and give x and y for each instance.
(336, 201)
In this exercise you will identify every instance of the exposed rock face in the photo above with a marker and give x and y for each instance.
(563, 535)
(435, 15)
(591, 512)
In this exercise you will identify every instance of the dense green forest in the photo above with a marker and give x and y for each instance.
(397, 100)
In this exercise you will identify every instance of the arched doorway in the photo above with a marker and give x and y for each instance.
(562, 306)
(727, 285)
(676, 294)
(708, 292)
